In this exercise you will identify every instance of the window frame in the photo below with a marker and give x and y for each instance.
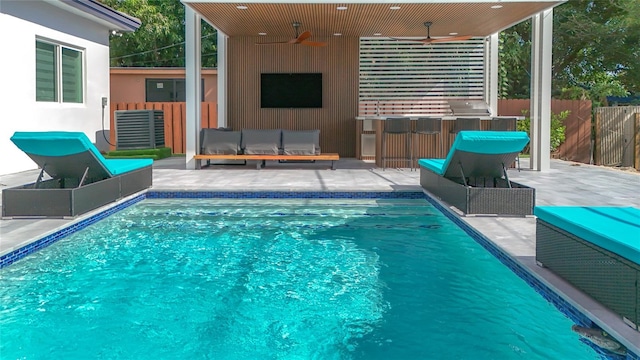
(59, 64)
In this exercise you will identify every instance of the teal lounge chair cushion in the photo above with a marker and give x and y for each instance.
(62, 143)
(479, 142)
(616, 229)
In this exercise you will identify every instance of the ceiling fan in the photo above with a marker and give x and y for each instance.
(299, 39)
(429, 40)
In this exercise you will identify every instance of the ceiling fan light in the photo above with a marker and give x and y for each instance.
(341, 8)
(241, 7)
(262, 33)
(453, 33)
(377, 34)
(394, 8)
(496, 6)
(337, 34)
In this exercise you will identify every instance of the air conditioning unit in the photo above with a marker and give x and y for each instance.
(139, 129)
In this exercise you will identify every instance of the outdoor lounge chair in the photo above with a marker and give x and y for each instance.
(597, 249)
(473, 177)
(81, 178)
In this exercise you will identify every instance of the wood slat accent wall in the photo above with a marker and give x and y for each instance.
(577, 145)
(175, 116)
(338, 63)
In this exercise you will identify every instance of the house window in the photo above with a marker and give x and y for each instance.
(59, 75)
(168, 90)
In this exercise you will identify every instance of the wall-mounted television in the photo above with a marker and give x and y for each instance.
(297, 90)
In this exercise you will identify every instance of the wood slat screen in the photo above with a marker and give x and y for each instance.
(407, 77)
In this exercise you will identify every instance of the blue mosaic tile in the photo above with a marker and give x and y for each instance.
(11, 257)
(285, 195)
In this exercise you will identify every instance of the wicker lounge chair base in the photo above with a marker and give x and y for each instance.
(495, 198)
(609, 278)
(52, 199)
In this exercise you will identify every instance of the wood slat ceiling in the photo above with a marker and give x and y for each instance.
(364, 20)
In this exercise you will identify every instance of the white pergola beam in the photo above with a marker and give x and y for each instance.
(193, 74)
(222, 78)
(491, 54)
(540, 111)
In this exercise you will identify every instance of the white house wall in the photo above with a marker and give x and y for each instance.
(20, 23)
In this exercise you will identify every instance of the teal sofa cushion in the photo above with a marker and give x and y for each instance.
(616, 229)
(64, 143)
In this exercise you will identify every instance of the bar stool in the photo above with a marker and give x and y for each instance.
(505, 124)
(430, 126)
(462, 124)
(397, 126)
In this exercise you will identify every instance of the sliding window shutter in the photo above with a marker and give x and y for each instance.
(46, 85)
(71, 76)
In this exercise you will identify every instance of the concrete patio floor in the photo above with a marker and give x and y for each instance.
(566, 183)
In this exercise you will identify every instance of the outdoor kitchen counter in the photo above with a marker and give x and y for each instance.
(369, 139)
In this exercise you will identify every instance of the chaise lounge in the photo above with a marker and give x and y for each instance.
(473, 177)
(597, 249)
(81, 178)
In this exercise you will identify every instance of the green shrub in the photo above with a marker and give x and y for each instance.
(156, 154)
(558, 129)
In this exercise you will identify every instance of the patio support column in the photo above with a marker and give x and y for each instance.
(222, 78)
(193, 74)
(491, 72)
(540, 111)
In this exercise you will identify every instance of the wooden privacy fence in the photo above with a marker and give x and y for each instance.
(618, 136)
(175, 116)
(577, 145)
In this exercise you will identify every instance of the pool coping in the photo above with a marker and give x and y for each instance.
(552, 294)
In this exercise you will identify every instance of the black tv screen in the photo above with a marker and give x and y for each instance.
(298, 90)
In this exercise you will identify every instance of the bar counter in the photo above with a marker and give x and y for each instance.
(369, 131)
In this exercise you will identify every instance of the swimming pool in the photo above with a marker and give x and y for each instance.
(285, 279)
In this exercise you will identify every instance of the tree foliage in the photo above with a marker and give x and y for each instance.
(596, 46)
(160, 40)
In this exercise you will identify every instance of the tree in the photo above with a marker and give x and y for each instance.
(160, 40)
(596, 44)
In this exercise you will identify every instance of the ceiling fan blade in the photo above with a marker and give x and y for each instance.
(304, 36)
(273, 42)
(448, 39)
(314, 43)
(405, 39)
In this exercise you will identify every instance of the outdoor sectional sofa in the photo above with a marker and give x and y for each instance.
(262, 145)
(473, 177)
(597, 249)
(81, 178)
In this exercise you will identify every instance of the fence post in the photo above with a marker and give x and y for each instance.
(637, 142)
(598, 142)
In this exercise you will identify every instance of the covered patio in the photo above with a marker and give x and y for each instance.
(341, 26)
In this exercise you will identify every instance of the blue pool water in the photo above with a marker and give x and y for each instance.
(275, 279)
